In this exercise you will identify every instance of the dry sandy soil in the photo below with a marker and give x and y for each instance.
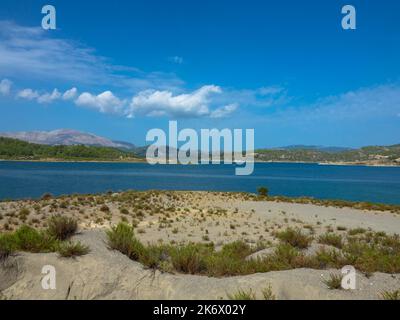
(182, 217)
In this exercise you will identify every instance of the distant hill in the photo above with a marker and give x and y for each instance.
(13, 149)
(317, 148)
(373, 155)
(66, 137)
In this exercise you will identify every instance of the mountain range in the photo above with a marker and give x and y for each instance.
(71, 137)
(374, 155)
(67, 137)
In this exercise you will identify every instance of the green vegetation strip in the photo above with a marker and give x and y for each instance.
(52, 239)
(14, 149)
(367, 252)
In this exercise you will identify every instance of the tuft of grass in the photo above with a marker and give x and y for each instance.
(356, 231)
(26, 239)
(7, 246)
(124, 211)
(72, 249)
(295, 238)
(391, 295)
(189, 258)
(29, 239)
(242, 295)
(268, 294)
(122, 238)
(46, 196)
(334, 281)
(331, 239)
(61, 227)
(262, 191)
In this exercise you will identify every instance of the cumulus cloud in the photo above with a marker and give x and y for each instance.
(49, 97)
(198, 103)
(105, 102)
(70, 94)
(158, 103)
(224, 111)
(28, 94)
(5, 87)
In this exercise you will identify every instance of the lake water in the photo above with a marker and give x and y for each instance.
(31, 180)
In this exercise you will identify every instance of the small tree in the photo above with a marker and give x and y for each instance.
(262, 191)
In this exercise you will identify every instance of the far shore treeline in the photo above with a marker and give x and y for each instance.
(14, 149)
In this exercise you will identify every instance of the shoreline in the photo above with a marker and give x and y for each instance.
(144, 161)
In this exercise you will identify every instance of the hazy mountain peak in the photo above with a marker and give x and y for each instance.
(66, 137)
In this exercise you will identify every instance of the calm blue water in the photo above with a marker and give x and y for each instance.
(31, 180)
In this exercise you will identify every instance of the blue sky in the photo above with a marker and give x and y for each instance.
(285, 68)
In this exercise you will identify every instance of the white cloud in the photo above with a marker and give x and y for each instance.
(28, 94)
(374, 102)
(49, 97)
(146, 103)
(265, 91)
(5, 87)
(224, 111)
(264, 97)
(105, 102)
(70, 94)
(31, 52)
(156, 103)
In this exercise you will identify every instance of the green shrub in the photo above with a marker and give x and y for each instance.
(122, 238)
(189, 258)
(46, 196)
(7, 246)
(391, 295)
(268, 294)
(331, 239)
(72, 249)
(29, 239)
(242, 295)
(356, 231)
(61, 227)
(262, 191)
(295, 238)
(334, 281)
(124, 211)
(238, 249)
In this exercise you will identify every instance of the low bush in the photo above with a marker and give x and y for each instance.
(295, 238)
(334, 281)
(72, 249)
(7, 246)
(242, 295)
(122, 238)
(26, 239)
(190, 258)
(331, 239)
(61, 227)
(391, 295)
(29, 239)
